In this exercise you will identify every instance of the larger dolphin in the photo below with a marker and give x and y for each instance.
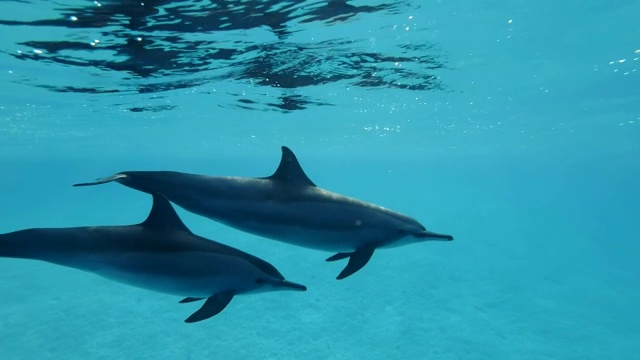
(286, 206)
(159, 254)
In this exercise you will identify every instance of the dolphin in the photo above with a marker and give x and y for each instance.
(159, 254)
(286, 206)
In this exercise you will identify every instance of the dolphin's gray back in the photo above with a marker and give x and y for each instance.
(61, 245)
(285, 206)
(295, 213)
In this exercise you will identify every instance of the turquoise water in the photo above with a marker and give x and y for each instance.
(524, 146)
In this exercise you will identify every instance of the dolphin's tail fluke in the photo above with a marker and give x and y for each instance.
(111, 178)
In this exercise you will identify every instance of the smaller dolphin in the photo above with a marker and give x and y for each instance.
(159, 254)
(286, 206)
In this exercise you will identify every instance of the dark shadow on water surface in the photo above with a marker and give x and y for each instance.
(154, 46)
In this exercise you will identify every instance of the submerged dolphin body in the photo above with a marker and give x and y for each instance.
(286, 206)
(159, 254)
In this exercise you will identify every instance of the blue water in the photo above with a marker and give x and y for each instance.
(527, 152)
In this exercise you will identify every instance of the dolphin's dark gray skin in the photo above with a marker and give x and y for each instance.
(286, 206)
(159, 254)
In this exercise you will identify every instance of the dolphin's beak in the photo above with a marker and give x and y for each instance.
(428, 235)
(288, 285)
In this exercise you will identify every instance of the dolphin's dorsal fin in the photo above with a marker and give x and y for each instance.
(163, 215)
(289, 171)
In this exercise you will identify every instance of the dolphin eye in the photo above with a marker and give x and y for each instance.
(260, 281)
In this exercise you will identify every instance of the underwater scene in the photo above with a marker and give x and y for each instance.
(280, 179)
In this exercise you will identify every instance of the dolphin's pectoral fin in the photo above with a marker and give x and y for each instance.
(212, 307)
(190, 299)
(357, 260)
(111, 178)
(339, 256)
